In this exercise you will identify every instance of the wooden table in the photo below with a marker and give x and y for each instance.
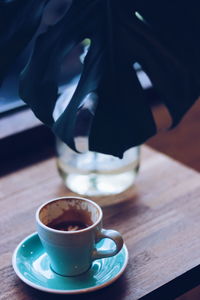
(159, 219)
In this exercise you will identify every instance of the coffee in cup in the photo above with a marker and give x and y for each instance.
(69, 229)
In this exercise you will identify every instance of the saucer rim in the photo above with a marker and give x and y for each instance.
(55, 291)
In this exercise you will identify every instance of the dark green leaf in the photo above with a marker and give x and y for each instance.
(165, 42)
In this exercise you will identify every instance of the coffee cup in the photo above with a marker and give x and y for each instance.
(69, 229)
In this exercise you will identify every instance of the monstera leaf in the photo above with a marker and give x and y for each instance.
(19, 20)
(162, 36)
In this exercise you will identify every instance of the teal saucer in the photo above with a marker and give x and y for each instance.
(32, 266)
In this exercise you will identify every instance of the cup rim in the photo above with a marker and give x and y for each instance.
(68, 232)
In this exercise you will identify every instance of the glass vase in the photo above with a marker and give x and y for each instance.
(96, 174)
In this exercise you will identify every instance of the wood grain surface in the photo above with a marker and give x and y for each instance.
(158, 218)
(183, 142)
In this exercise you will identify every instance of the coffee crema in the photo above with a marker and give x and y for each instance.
(68, 225)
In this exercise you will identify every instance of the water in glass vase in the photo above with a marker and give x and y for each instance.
(95, 174)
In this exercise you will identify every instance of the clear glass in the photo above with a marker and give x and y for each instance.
(95, 174)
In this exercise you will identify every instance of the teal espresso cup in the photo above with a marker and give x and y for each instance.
(69, 229)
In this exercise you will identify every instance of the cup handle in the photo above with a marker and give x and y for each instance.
(115, 236)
